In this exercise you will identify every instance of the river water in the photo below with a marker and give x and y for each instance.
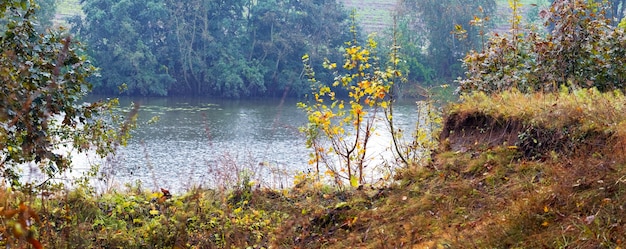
(216, 142)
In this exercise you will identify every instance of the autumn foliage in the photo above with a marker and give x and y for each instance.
(15, 223)
(343, 126)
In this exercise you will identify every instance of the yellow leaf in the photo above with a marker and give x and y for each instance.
(238, 210)
(154, 212)
(354, 182)
(383, 104)
(330, 173)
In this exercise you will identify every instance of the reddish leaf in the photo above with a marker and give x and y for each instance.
(35, 243)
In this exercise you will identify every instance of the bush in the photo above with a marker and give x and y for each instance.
(582, 51)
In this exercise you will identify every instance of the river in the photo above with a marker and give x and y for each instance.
(215, 142)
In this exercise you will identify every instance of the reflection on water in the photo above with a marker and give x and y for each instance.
(209, 142)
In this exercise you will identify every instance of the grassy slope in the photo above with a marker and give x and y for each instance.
(377, 15)
(559, 185)
(373, 15)
(68, 7)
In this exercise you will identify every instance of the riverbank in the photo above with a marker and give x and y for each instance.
(512, 171)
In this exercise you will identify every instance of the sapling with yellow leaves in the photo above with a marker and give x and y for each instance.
(341, 128)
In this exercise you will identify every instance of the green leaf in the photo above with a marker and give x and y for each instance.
(622, 24)
(341, 205)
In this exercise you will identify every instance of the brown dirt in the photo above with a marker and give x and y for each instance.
(476, 131)
(465, 130)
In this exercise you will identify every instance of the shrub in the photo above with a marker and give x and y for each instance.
(347, 125)
(43, 77)
(583, 50)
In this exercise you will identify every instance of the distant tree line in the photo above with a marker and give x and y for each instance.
(243, 48)
(229, 48)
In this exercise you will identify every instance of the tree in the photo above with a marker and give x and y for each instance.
(42, 17)
(411, 38)
(441, 18)
(615, 11)
(223, 48)
(45, 13)
(129, 42)
(212, 57)
(342, 128)
(251, 48)
(44, 75)
(282, 30)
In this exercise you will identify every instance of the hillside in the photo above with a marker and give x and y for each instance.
(67, 8)
(373, 15)
(377, 15)
(513, 171)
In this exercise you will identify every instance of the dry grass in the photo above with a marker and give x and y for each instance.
(589, 109)
(492, 196)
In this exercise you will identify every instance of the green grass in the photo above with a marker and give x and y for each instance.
(66, 9)
(376, 15)
(69, 8)
(373, 15)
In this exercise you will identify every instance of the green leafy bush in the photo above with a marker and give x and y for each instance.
(44, 75)
(582, 51)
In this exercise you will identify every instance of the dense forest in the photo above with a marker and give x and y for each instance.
(250, 48)
(223, 48)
